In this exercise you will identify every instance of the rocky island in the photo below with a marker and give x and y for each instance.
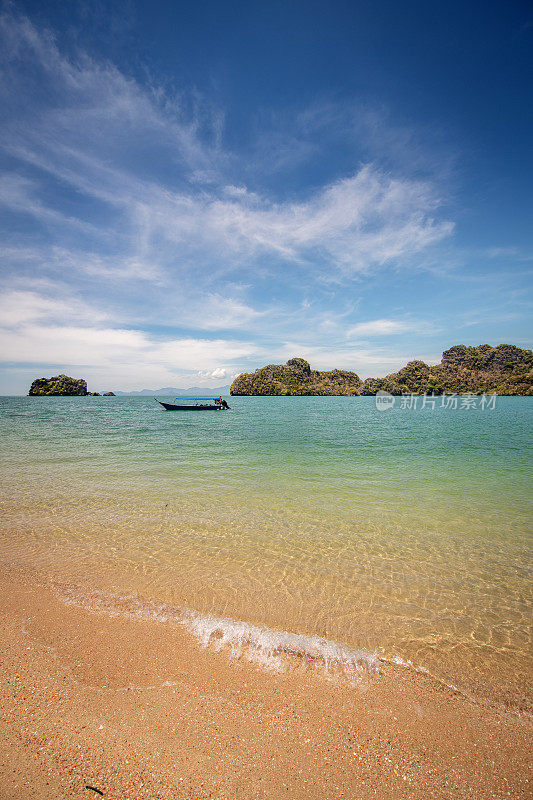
(296, 378)
(63, 386)
(505, 370)
(58, 386)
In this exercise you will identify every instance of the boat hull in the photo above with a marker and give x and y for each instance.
(173, 407)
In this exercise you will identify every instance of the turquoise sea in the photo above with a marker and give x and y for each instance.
(404, 532)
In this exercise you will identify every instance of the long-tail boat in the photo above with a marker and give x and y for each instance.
(195, 404)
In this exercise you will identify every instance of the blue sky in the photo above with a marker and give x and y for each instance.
(190, 190)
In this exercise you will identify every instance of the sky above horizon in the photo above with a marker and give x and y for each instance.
(192, 190)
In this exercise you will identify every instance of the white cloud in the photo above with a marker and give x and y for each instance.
(215, 312)
(219, 372)
(137, 215)
(365, 220)
(76, 345)
(236, 191)
(377, 327)
(389, 327)
(60, 329)
(20, 306)
(90, 140)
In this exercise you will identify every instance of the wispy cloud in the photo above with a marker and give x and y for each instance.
(20, 307)
(93, 137)
(114, 353)
(136, 216)
(388, 327)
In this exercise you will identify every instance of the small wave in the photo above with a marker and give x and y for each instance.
(268, 648)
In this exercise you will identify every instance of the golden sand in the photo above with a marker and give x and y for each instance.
(136, 709)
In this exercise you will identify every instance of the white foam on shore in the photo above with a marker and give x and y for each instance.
(268, 648)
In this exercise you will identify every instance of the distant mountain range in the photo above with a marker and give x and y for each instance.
(192, 391)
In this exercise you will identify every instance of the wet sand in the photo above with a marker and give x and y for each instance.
(138, 709)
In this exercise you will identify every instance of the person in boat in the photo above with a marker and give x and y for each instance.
(221, 403)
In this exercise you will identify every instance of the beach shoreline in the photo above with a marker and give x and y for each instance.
(139, 709)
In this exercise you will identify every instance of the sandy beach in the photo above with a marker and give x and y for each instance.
(138, 709)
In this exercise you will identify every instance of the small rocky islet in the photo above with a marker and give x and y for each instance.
(504, 370)
(63, 386)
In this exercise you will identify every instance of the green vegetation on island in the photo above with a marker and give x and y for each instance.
(58, 386)
(63, 386)
(296, 378)
(505, 370)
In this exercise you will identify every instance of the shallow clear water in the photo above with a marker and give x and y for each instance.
(405, 532)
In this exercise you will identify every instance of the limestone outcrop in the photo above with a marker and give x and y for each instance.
(296, 378)
(504, 369)
(58, 386)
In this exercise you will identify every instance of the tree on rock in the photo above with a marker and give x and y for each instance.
(58, 386)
